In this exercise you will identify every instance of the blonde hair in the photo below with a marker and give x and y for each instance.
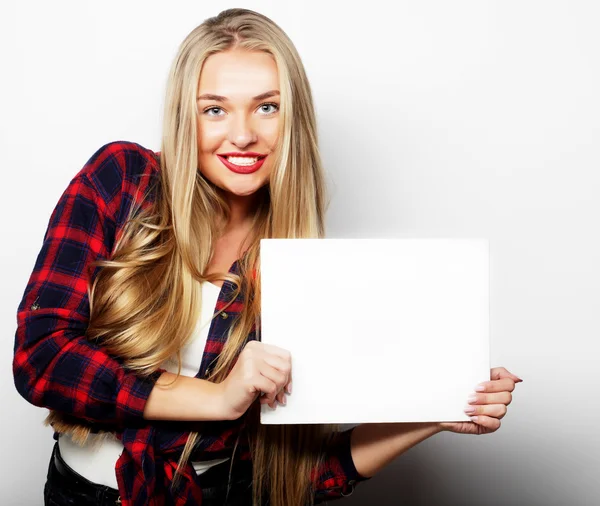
(165, 250)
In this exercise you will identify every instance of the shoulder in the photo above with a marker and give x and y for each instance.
(120, 164)
(121, 172)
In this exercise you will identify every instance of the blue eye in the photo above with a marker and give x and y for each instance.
(212, 109)
(270, 104)
(275, 108)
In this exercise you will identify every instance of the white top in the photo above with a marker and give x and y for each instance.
(97, 459)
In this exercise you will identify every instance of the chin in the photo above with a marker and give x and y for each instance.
(247, 192)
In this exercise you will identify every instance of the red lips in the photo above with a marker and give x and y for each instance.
(242, 169)
(250, 154)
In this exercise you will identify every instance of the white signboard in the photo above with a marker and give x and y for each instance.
(380, 330)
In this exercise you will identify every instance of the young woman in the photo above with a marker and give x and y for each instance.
(139, 326)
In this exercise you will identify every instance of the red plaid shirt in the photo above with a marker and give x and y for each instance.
(56, 367)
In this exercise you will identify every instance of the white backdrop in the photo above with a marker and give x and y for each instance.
(436, 119)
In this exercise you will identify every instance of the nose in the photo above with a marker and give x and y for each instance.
(241, 132)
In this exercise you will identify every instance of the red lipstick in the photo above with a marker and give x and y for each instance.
(242, 169)
(239, 153)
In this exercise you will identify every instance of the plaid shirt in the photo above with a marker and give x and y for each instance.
(56, 367)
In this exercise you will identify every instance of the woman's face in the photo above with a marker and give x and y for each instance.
(238, 119)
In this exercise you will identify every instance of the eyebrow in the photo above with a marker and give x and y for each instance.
(219, 98)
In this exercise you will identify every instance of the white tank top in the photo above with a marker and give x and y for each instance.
(97, 459)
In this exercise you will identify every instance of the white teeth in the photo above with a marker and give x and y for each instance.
(242, 160)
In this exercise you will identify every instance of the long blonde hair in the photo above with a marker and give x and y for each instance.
(165, 250)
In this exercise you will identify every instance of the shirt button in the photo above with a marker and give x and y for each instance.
(224, 315)
(35, 306)
(351, 485)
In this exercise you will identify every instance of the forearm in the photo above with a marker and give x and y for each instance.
(187, 399)
(374, 445)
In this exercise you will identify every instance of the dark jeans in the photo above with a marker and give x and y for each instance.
(75, 490)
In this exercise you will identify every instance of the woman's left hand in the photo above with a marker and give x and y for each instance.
(489, 405)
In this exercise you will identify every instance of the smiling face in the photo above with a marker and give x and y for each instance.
(238, 120)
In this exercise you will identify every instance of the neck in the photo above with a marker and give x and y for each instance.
(242, 209)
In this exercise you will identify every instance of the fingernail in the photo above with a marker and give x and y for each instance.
(289, 387)
(474, 418)
(480, 388)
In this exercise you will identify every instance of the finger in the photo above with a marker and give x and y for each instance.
(276, 350)
(264, 400)
(278, 378)
(280, 364)
(280, 359)
(267, 387)
(491, 410)
(487, 422)
(284, 366)
(281, 398)
(497, 398)
(499, 385)
(275, 375)
(497, 373)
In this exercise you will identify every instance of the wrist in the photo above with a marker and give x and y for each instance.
(439, 426)
(222, 413)
(224, 410)
(427, 428)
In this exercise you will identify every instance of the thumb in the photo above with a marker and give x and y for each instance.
(501, 372)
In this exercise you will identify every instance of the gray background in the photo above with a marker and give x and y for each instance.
(436, 119)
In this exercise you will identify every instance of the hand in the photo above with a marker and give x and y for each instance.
(260, 368)
(490, 404)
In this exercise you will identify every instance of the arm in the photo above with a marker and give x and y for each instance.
(54, 365)
(357, 454)
(187, 399)
(374, 445)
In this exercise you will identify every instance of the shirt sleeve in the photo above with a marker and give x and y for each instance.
(337, 476)
(54, 365)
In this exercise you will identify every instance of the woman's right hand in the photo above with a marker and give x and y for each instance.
(259, 368)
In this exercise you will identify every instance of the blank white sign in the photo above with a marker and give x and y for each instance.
(379, 330)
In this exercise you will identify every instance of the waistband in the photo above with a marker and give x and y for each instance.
(216, 476)
(73, 481)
